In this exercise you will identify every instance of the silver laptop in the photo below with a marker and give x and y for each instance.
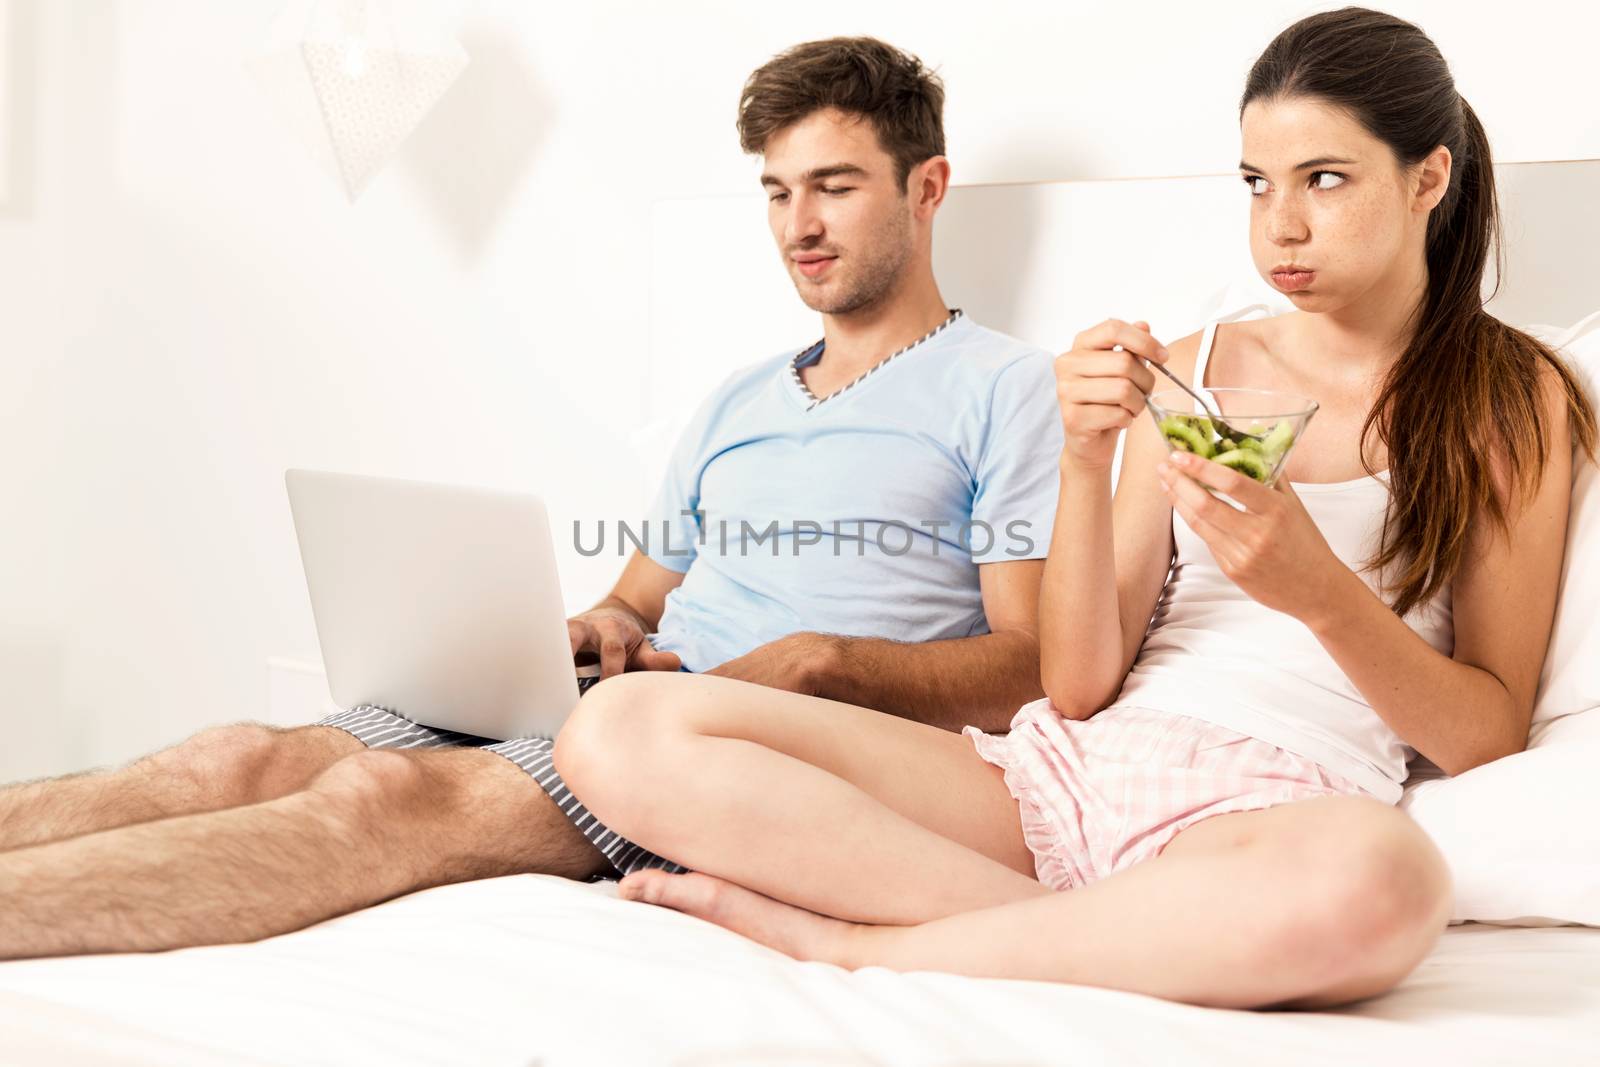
(439, 603)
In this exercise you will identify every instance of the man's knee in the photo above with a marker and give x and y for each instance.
(372, 786)
(228, 764)
(451, 815)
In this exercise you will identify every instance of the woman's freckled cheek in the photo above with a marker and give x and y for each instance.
(1361, 231)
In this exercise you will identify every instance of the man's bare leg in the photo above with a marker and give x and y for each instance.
(218, 768)
(375, 825)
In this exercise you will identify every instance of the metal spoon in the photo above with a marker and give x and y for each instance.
(1222, 428)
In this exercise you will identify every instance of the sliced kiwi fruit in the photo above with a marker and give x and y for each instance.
(1253, 456)
(1247, 462)
(1278, 441)
(1183, 434)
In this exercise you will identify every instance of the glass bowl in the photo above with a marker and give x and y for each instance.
(1259, 427)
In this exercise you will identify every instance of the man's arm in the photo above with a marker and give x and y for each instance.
(615, 628)
(967, 681)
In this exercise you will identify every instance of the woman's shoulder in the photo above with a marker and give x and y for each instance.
(1554, 394)
(1259, 335)
(1248, 336)
(1559, 399)
(1182, 354)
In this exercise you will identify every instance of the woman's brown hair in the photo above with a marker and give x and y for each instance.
(1465, 394)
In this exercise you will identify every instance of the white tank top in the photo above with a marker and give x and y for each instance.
(1215, 654)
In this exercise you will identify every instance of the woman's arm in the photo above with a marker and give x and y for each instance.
(1109, 558)
(1459, 711)
(1475, 706)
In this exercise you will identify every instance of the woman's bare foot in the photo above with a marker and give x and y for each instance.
(805, 935)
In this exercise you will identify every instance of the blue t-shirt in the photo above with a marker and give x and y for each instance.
(865, 514)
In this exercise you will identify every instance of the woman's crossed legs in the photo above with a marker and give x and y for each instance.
(803, 813)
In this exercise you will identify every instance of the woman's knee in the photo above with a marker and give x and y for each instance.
(617, 728)
(1375, 896)
(1398, 889)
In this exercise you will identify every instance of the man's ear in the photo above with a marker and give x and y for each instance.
(1433, 180)
(926, 185)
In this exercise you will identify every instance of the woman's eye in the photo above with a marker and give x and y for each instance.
(1256, 183)
(1326, 179)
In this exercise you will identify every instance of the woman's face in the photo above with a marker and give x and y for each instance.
(1333, 214)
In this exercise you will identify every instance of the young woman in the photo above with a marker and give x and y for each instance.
(1233, 694)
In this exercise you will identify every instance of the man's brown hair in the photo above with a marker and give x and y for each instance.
(862, 76)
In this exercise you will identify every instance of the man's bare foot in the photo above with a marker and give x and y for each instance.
(805, 935)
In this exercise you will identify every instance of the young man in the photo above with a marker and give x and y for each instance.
(864, 520)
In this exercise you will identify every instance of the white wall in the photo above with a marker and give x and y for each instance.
(6, 135)
(32, 245)
(1143, 88)
(188, 306)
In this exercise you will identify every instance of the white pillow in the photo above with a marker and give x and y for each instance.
(1571, 679)
(1518, 833)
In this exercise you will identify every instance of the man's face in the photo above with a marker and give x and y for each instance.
(842, 221)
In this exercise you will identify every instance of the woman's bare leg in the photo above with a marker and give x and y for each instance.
(1309, 904)
(835, 808)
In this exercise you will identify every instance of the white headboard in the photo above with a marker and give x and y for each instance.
(1043, 261)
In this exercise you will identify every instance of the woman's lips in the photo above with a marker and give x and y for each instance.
(811, 268)
(1292, 280)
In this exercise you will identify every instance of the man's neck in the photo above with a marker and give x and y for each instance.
(857, 341)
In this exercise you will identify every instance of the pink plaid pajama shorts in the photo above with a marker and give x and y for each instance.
(1104, 794)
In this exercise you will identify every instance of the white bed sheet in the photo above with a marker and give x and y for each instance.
(535, 970)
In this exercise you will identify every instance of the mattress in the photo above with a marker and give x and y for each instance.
(534, 970)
